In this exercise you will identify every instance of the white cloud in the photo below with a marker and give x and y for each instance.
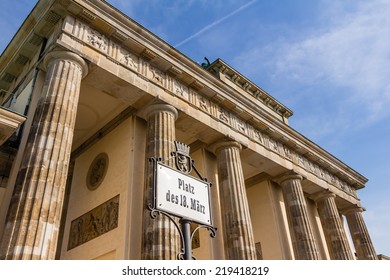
(348, 53)
(354, 54)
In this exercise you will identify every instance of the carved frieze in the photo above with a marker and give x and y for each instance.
(180, 90)
(94, 223)
(287, 152)
(203, 103)
(273, 145)
(312, 167)
(241, 126)
(250, 130)
(266, 140)
(223, 115)
(97, 40)
(259, 137)
(321, 172)
(301, 160)
(156, 75)
(128, 59)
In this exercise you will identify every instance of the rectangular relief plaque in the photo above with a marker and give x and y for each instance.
(94, 223)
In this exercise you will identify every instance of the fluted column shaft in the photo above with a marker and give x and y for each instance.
(160, 237)
(237, 225)
(335, 234)
(302, 235)
(34, 215)
(359, 233)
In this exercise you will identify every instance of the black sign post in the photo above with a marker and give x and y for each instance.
(186, 228)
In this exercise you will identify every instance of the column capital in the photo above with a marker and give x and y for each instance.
(156, 108)
(223, 144)
(66, 55)
(352, 209)
(289, 175)
(322, 195)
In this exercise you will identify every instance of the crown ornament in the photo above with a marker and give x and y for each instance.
(182, 148)
(182, 157)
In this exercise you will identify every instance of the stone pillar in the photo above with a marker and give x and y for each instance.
(160, 237)
(236, 221)
(33, 219)
(302, 235)
(361, 239)
(335, 234)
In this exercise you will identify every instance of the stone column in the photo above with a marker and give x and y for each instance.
(361, 239)
(335, 234)
(33, 219)
(160, 237)
(302, 235)
(236, 221)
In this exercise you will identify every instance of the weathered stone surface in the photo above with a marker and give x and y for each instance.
(360, 236)
(335, 235)
(34, 216)
(160, 237)
(302, 235)
(237, 225)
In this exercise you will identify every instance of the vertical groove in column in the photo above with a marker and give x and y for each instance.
(238, 232)
(302, 235)
(160, 237)
(33, 218)
(360, 236)
(335, 234)
(57, 156)
(59, 178)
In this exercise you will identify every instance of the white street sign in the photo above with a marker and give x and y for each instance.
(182, 195)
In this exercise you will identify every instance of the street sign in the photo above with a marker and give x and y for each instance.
(182, 195)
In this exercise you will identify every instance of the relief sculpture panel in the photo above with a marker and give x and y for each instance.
(223, 115)
(128, 59)
(97, 40)
(203, 103)
(156, 75)
(94, 223)
(180, 90)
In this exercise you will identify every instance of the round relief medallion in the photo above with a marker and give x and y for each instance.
(97, 171)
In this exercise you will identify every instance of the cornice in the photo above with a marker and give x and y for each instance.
(219, 67)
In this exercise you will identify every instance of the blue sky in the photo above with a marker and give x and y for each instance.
(327, 60)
